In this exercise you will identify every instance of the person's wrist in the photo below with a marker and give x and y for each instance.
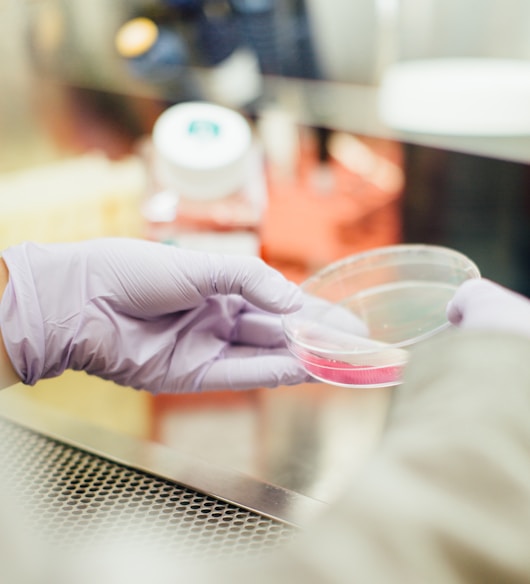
(8, 375)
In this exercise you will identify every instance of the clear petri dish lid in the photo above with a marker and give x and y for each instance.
(368, 309)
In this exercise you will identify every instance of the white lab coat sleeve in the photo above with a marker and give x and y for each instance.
(446, 497)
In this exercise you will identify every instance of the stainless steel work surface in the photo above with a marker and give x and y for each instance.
(73, 498)
(305, 440)
(54, 456)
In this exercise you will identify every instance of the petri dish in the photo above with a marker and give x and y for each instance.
(363, 314)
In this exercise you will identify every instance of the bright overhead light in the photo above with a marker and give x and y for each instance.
(136, 37)
(457, 96)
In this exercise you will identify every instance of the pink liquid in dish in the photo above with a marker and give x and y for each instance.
(342, 373)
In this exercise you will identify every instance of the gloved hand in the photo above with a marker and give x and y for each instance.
(147, 315)
(481, 304)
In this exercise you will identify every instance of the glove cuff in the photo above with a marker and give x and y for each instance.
(21, 318)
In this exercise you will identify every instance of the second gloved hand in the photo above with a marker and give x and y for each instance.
(147, 315)
(481, 304)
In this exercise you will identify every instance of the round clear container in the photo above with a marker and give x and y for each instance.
(362, 314)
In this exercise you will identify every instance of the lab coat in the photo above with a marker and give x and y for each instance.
(446, 497)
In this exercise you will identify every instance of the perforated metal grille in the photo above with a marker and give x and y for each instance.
(74, 497)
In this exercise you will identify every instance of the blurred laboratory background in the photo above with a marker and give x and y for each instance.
(371, 122)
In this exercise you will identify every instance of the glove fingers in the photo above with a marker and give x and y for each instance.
(482, 304)
(161, 278)
(472, 296)
(248, 368)
(458, 304)
(327, 315)
(249, 277)
(259, 329)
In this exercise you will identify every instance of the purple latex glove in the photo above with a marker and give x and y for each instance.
(481, 304)
(147, 315)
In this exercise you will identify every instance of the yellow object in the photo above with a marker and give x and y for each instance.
(93, 400)
(79, 198)
(136, 37)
